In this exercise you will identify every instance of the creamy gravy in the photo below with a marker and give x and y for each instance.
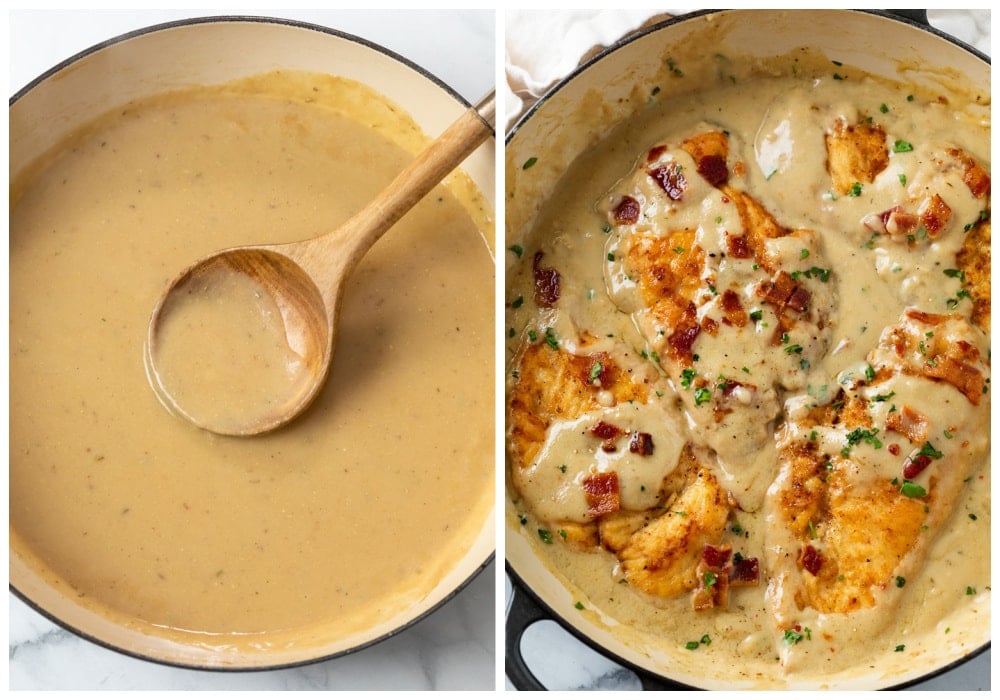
(318, 531)
(223, 354)
(776, 128)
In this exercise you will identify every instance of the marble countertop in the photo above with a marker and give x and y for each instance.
(559, 660)
(453, 648)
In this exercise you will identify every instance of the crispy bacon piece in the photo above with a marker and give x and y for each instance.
(713, 169)
(810, 559)
(959, 374)
(600, 371)
(655, 152)
(716, 556)
(746, 572)
(736, 315)
(914, 465)
(739, 247)
(951, 362)
(709, 151)
(717, 571)
(608, 433)
(626, 211)
(713, 578)
(681, 340)
(784, 293)
(547, 282)
(909, 422)
(602, 493)
(974, 176)
(934, 215)
(641, 444)
(671, 180)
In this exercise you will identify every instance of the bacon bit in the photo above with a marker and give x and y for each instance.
(655, 152)
(641, 444)
(710, 325)
(547, 283)
(897, 222)
(716, 556)
(732, 385)
(713, 168)
(959, 374)
(627, 211)
(810, 559)
(909, 422)
(602, 493)
(605, 377)
(723, 570)
(914, 465)
(926, 317)
(783, 292)
(893, 449)
(609, 434)
(606, 431)
(739, 247)
(934, 215)
(670, 179)
(736, 315)
(746, 572)
(681, 340)
(974, 177)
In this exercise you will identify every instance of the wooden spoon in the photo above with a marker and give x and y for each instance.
(305, 281)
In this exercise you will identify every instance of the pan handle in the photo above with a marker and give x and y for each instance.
(918, 16)
(524, 611)
(522, 614)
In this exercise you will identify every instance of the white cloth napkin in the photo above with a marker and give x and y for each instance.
(543, 46)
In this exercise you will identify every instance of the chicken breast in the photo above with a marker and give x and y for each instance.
(868, 480)
(734, 306)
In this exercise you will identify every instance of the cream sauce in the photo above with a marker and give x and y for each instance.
(223, 357)
(777, 126)
(308, 535)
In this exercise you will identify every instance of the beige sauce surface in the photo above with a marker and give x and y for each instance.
(776, 127)
(223, 356)
(349, 515)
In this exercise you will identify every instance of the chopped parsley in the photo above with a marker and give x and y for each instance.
(551, 339)
(516, 304)
(858, 435)
(528, 163)
(578, 605)
(545, 536)
(901, 146)
(595, 372)
(687, 376)
(855, 190)
(912, 489)
(702, 395)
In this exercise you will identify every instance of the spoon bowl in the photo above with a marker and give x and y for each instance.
(277, 307)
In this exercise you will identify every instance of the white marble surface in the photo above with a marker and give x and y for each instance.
(558, 660)
(453, 648)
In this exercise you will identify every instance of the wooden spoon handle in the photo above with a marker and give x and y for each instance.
(454, 145)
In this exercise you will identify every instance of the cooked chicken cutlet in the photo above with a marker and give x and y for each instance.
(598, 408)
(733, 305)
(867, 481)
(856, 154)
(661, 557)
